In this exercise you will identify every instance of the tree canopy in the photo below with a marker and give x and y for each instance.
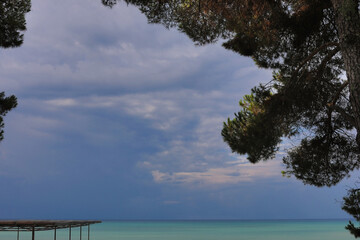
(12, 26)
(313, 48)
(12, 22)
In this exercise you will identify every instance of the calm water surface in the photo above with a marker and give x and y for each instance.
(203, 230)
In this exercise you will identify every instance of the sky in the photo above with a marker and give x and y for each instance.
(121, 119)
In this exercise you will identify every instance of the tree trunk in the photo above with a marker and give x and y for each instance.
(347, 19)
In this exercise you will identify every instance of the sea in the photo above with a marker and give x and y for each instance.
(200, 230)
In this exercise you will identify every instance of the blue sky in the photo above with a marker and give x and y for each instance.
(119, 119)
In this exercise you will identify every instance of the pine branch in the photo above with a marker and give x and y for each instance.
(314, 53)
(342, 112)
(338, 93)
(327, 58)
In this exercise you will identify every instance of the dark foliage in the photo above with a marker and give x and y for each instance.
(352, 206)
(12, 22)
(12, 26)
(6, 104)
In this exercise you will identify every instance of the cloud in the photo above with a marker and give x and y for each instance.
(65, 102)
(191, 123)
(243, 172)
(165, 109)
(131, 113)
(83, 52)
(101, 80)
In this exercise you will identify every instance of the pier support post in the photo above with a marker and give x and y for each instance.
(70, 232)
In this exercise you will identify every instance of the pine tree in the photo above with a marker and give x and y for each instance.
(12, 26)
(310, 45)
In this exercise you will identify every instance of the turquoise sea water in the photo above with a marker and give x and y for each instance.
(202, 230)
